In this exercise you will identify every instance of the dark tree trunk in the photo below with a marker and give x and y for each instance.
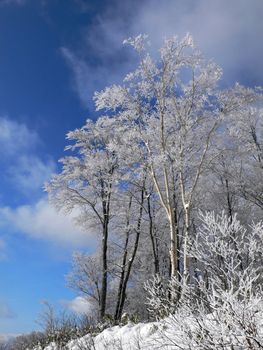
(106, 200)
(124, 261)
(104, 282)
(126, 275)
(153, 238)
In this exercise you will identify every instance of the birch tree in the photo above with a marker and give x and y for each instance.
(152, 103)
(168, 133)
(175, 108)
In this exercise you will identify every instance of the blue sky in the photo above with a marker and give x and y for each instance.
(53, 55)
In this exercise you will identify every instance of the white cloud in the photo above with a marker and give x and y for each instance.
(6, 311)
(88, 78)
(30, 172)
(42, 221)
(3, 255)
(84, 5)
(81, 73)
(16, 137)
(227, 31)
(27, 171)
(79, 305)
(21, 164)
(12, 2)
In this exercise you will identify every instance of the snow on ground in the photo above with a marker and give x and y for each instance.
(179, 331)
(128, 337)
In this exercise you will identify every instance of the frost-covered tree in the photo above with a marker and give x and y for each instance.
(234, 179)
(246, 133)
(87, 183)
(171, 141)
(173, 107)
(222, 309)
(85, 277)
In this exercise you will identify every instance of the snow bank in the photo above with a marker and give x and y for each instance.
(178, 331)
(128, 337)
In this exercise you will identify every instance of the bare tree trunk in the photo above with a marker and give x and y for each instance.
(186, 238)
(175, 205)
(122, 298)
(106, 201)
(104, 281)
(229, 201)
(173, 244)
(153, 237)
(123, 266)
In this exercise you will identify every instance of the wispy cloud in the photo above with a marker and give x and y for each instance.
(30, 172)
(27, 171)
(79, 305)
(5, 337)
(3, 254)
(12, 2)
(89, 77)
(42, 221)
(16, 137)
(82, 73)
(227, 31)
(6, 311)
(84, 5)
(21, 165)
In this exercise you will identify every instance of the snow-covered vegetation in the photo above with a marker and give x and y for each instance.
(170, 179)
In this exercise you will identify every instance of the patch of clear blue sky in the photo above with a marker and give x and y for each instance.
(36, 89)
